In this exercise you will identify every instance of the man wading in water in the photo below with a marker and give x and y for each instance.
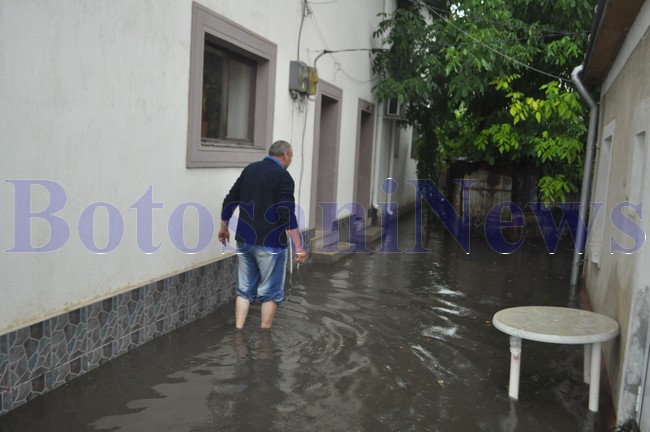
(264, 194)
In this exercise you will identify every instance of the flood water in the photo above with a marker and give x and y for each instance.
(376, 342)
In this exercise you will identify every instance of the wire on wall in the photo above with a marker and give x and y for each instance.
(305, 11)
(302, 150)
(300, 101)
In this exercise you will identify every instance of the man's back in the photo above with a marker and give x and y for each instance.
(264, 193)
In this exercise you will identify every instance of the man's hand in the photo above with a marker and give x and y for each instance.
(301, 257)
(296, 240)
(224, 233)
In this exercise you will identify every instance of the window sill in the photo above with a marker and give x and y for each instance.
(224, 156)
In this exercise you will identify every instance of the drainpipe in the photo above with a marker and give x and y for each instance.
(377, 181)
(379, 118)
(374, 183)
(587, 174)
(391, 158)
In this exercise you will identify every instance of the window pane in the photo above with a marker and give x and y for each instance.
(213, 62)
(240, 91)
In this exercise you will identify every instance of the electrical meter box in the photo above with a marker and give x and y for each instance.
(302, 78)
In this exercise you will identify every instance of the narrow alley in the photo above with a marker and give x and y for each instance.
(377, 342)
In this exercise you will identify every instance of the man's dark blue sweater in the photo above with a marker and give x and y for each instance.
(264, 194)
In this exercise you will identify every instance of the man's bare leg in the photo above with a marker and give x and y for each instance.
(268, 312)
(241, 311)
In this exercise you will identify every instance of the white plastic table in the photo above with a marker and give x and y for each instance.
(557, 325)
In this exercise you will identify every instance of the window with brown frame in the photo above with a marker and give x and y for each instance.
(232, 82)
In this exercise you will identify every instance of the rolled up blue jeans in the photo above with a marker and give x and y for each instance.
(262, 273)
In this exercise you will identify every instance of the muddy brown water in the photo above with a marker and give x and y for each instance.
(377, 342)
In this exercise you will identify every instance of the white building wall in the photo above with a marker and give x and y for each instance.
(618, 282)
(94, 100)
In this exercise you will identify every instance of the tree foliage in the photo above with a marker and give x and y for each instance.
(488, 81)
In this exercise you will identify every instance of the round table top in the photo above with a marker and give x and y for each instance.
(555, 324)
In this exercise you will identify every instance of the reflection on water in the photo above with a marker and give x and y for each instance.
(378, 342)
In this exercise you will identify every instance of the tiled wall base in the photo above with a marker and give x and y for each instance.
(46, 355)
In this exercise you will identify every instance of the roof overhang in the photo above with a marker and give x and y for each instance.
(608, 32)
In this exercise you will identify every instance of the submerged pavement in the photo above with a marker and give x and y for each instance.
(377, 342)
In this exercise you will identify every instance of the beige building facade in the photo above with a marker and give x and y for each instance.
(616, 267)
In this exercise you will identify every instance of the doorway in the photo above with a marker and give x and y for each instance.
(326, 155)
(363, 170)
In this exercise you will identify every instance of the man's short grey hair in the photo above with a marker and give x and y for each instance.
(279, 148)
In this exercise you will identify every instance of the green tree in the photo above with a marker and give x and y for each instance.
(488, 80)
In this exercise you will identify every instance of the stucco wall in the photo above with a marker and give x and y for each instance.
(620, 277)
(94, 100)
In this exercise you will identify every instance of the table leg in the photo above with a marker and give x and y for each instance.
(594, 377)
(586, 368)
(515, 366)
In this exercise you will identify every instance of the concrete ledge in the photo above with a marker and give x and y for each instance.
(337, 251)
(324, 257)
